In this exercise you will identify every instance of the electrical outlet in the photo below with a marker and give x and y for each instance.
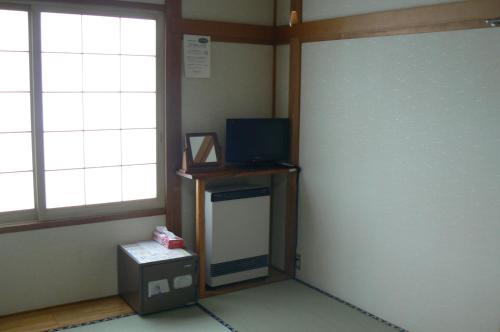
(298, 261)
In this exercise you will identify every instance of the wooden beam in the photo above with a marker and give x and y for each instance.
(294, 117)
(173, 124)
(443, 17)
(294, 87)
(227, 32)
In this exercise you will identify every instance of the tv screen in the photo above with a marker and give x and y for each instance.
(250, 141)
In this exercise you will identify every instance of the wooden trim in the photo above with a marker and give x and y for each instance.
(233, 172)
(36, 225)
(227, 32)
(294, 88)
(173, 125)
(110, 3)
(294, 117)
(443, 17)
(200, 235)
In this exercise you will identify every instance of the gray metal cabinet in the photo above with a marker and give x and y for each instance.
(153, 284)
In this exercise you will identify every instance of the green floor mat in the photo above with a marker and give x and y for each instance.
(291, 307)
(287, 306)
(189, 319)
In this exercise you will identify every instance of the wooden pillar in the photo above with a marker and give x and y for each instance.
(200, 234)
(294, 116)
(173, 124)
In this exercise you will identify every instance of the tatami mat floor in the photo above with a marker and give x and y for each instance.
(283, 306)
(187, 319)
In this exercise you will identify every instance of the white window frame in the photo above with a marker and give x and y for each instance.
(41, 213)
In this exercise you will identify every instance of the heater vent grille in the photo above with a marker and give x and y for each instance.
(239, 265)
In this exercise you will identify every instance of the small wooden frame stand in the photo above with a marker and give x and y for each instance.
(201, 177)
(197, 160)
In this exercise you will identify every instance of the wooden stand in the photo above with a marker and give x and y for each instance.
(201, 177)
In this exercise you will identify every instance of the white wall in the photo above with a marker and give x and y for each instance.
(399, 197)
(282, 80)
(323, 9)
(63, 265)
(240, 87)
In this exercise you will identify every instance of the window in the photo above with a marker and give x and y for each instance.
(82, 103)
(16, 166)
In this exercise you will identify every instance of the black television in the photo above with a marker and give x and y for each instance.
(257, 142)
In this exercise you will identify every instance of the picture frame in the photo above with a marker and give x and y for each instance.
(202, 151)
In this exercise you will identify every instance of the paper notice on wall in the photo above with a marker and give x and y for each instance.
(197, 56)
(151, 251)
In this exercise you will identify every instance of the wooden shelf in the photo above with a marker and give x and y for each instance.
(274, 276)
(201, 178)
(226, 172)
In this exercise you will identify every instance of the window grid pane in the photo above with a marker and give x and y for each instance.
(14, 71)
(16, 23)
(16, 191)
(15, 112)
(112, 106)
(16, 166)
(15, 150)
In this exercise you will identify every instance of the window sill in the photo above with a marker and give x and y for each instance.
(36, 224)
